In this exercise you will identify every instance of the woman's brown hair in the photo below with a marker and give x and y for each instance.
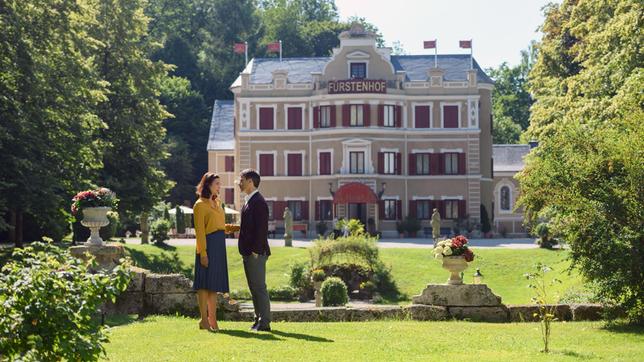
(203, 189)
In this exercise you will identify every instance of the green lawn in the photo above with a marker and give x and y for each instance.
(412, 269)
(178, 339)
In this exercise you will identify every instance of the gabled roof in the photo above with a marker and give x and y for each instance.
(509, 158)
(222, 127)
(416, 66)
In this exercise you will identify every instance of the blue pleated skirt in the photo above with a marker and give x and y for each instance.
(215, 276)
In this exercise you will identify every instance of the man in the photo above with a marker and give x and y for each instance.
(253, 246)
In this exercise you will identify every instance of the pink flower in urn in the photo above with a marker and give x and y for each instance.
(468, 255)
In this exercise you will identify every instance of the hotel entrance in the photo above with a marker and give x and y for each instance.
(358, 211)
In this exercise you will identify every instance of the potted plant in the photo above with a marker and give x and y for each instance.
(93, 205)
(455, 255)
(413, 225)
(401, 227)
(318, 276)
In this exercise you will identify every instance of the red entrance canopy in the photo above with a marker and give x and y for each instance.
(354, 193)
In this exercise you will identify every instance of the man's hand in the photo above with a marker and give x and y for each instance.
(204, 260)
(255, 255)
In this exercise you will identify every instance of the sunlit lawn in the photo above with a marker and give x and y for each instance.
(178, 339)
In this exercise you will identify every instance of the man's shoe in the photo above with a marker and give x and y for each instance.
(263, 329)
(254, 326)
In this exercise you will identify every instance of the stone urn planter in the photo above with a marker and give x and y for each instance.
(95, 218)
(455, 265)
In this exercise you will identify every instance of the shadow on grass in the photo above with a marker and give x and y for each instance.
(244, 334)
(122, 319)
(569, 353)
(165, 246)
(305, 337)
(164, 263)
(623, 327)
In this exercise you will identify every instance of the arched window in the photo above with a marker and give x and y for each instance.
(505, 198)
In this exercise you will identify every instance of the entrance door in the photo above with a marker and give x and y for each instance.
(358, 211)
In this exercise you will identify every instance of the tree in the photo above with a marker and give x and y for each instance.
(135, 134)
(587, 171)
(48, 131)
(505, 131)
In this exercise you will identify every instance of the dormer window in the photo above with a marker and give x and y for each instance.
(358, 70)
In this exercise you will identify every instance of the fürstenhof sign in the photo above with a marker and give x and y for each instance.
(357, 86)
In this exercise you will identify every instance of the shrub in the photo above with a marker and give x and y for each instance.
(545, 239)
(109, 231)
(485, 221)
(334, 292)
(546, 306)
(318, 275)
(300, 280)
(47, 301)
(159, 230)
(321, 228)
(285, 293)
(412, 225)
(401, 226)
(180, 222)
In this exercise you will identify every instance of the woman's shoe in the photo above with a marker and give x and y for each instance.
(203, 326)
(213, 329)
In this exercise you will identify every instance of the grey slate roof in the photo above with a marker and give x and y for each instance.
(509, 157)
(222, 127)
(416, 66)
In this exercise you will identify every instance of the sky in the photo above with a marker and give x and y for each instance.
(499, 29)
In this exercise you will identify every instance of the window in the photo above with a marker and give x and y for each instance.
(325, 163)
(451, 209)
(230, 164)
(266, 164)
(451, 163)
(358, 70)
(270, 210)
(423, 208)
(505, 198)
(389, 163)
(391, 209)
(389, 116)
(422, 163)
(294, 115)
(325, 209)
(356, 162)
(266, 118)
(294, 161)
(421, 117)
(450, 116)
(229, 196)
(296, 209)
(357, 116)
(325, 116)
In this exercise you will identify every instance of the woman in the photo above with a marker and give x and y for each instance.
(211, 267)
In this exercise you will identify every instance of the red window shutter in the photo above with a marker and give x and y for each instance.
(441, 163)
(317, 210)
(434, 163)
(230, 163)
(398, 163)
(440, 205)
(381, 209)
(450, 116)
(422, 117)
(461, 208)
(333, 113)
(316, 117)
(412, 208)
(295, 164)
(399, 209)
(305, 210)
(412, 164)
(346, 115)
(230, 196)
(381, 115)
(398, 119)
(366, 115)
(278, 209)
(325, 163)
(461, 163)
(265, 118)
(381, 163)
(266, 165)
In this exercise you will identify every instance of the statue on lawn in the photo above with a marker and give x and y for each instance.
(436, 225)
(288, 227)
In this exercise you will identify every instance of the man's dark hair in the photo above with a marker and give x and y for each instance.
(249, 173)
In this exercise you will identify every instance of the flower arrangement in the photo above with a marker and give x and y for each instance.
(454, 247)
(94, 198)
(318, 275)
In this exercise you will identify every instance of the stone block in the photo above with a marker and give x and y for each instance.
(370, 314)
(227, 304)
(465, 295)
(587, 312)
(137, 284)
(107, 256)
(126, 303)
(497, 314)
(526, 313)
(421, 312)
(171, 303)
(167, 283)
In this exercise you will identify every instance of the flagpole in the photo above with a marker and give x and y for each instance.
(435, 53)
(471, 54)
(280, 51)
(245, 53)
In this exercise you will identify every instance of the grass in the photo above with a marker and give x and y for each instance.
(178, 339)
(412, 269)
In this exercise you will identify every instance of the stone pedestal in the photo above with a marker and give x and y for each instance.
(106, 255)
(466, 301)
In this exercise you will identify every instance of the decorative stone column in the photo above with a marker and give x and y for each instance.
(106, 255)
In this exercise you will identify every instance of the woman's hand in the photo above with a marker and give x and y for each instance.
(203, 258)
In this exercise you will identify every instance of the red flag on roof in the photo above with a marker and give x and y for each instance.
(467, 44)
(273, 47)
(429, 44)
(239, 48)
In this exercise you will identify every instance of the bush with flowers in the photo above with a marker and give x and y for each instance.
(455, 246)
(101, 197)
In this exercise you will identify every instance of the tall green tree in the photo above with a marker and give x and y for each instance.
(48, 93)
(587, 174)
(135, 134)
